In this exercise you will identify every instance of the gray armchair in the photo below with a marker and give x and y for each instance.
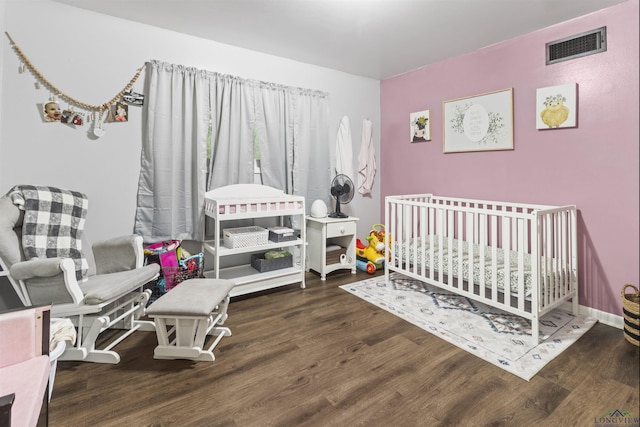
(112, 297)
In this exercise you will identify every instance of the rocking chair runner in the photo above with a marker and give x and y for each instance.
(112, 297)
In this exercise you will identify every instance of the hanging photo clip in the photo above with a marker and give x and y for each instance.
(98, 126)
(51, 110)
(133, 98)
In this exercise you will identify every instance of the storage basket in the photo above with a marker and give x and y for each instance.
(631, 310)
(173, 276)
(333, 256)
(282, 234)
(260, 263)
(243, 237)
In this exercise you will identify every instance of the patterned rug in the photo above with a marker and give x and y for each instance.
(491, 334)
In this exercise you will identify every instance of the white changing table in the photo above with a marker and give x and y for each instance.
(252, 201)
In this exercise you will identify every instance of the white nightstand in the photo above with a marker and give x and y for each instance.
(323, 233)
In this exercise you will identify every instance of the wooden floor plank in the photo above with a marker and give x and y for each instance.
(322, 357)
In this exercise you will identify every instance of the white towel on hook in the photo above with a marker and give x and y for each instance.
(344, 150)
(366, 160)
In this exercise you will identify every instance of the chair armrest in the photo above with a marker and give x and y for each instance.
(42, 268)
(37, 267)
(118, 254)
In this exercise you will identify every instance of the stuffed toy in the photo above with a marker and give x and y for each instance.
(371, 256)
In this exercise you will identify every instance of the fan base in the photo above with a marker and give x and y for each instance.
(338, 215)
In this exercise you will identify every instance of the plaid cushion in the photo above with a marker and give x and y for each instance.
(53, 223)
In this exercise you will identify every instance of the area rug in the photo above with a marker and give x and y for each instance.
(498, 337)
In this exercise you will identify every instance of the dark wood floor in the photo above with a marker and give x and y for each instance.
(323, 357)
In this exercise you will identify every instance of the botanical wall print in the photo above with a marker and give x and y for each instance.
(420, 126)
(556, 106)
(479, 123)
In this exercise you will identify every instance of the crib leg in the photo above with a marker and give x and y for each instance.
(535, 330)
(574, 306)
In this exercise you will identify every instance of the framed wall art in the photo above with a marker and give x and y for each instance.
(557, 106)
(478, 123)
(420, 126)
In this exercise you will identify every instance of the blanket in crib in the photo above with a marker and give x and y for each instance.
(53, 223)
(472, 267)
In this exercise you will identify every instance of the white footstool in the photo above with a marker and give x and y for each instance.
(187, 314)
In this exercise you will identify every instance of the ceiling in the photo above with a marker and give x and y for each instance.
(370, 38)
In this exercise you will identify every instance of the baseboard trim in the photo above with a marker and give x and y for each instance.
(602, 316)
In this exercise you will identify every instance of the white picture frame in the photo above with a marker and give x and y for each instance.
(420, 126)
(557, 106)
(478, 123)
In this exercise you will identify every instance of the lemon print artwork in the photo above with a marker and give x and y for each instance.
(555, 112)
(556, 106)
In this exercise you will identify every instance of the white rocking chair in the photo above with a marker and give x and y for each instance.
(113, 297)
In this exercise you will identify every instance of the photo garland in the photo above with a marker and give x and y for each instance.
(117, 113)
(115, 110)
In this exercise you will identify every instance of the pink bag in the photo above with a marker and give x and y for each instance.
(167, 254)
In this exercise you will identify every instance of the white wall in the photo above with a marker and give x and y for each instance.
(91, 57)
(2, 55)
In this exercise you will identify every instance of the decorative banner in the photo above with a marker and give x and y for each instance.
(51, 111)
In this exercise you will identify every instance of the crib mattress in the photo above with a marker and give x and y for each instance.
(415, 256)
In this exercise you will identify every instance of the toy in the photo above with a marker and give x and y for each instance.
(371, 257)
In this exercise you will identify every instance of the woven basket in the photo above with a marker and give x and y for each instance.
(631, 310)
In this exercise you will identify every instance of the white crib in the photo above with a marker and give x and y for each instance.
(520, 258)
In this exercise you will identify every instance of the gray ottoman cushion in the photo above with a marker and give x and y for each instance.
(193, 297)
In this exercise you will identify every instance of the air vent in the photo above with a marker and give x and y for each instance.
(576, 46)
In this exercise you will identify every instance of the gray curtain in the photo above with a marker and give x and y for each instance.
(232, 130)
(174, 153)
(289, 125)
(292, 128)
(311, 145)
(273, 136)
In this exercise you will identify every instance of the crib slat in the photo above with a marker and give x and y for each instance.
(441, 231)
(470, 232)
(460, 252)
(449, 249)
(521, 252)
(564, 238)
(482, 242)
(432, 232)
(413, 226)
(494, 258)
(548, 276)
(423, 230)
(506, 239)
(554, 262)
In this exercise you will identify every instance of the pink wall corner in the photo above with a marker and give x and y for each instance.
(594, 166)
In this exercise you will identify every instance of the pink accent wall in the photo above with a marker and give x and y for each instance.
(594, 166)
